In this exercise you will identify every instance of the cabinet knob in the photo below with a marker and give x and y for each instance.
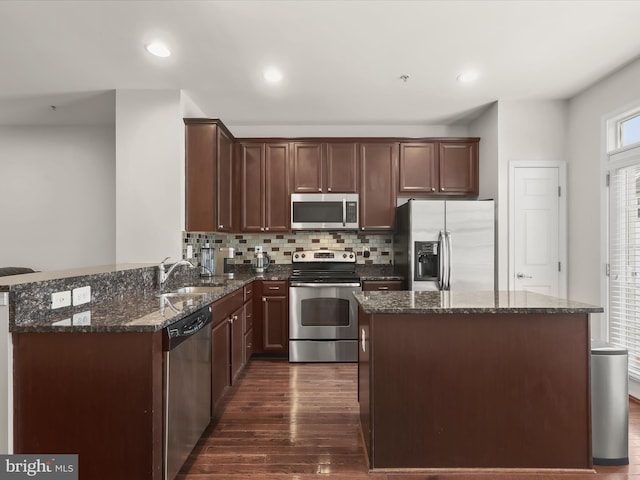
(319, 189)
(262, 229)
(329, 189)
(442, 189)
(433, 189)
(361, 228)
(267, 229)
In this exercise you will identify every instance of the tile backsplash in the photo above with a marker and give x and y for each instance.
(280, 247)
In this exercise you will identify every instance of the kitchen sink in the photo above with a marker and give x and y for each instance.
(198, 290)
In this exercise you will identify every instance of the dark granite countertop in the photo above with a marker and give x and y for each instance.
(401, 302)
(140, 312)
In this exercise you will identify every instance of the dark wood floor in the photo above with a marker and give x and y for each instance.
(300, 421)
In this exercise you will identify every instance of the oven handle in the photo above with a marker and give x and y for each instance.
(323, 285)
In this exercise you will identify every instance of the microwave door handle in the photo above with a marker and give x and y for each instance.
(344, 212)
(447, 236)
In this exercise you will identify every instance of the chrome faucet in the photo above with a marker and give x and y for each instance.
(164, 276)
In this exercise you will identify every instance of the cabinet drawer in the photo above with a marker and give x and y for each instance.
(248, 292)
(226, 306)
(381, 285)
(274, 287)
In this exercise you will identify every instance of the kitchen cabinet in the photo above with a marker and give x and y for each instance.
(247, 317)
(227, 344)
(208, 176)
(271, 332)
(91, 393)
(378, 167)
(439, 168)
(264, 187)
(458, 163)
(381, 285)
(324, 167)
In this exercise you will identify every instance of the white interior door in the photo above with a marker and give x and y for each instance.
(537, 230)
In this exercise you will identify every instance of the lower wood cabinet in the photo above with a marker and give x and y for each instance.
(98, 395)
(381, 285)
(220, 355)
(271, 331)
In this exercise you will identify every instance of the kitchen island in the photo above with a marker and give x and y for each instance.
(474, 380)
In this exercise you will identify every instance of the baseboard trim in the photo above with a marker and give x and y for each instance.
(545, 471)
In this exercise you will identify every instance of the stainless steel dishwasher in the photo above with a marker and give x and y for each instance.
(187, 387)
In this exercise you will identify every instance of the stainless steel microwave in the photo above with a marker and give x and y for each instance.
(324, 211)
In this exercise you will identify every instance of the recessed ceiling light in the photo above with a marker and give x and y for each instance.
(272, 75)
(468, 77)
(158, 49)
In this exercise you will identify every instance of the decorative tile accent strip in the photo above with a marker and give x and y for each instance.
(280, 247)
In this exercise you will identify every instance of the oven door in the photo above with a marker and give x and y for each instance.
(323, 311)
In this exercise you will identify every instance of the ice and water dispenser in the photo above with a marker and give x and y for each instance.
(426, 260)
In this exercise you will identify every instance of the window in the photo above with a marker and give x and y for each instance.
(629, 131)
(624, 258)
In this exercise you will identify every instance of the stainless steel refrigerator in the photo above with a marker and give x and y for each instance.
(446, 244)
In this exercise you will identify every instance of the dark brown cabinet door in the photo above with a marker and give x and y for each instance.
(252, 204)
(378, 166)
(237, 343)
(224, 183)
(275, 324)
(341, 167)
(200, 177)
(276, 187)
(220, 355)
(458, 168)
(418, 168)
(306, 167)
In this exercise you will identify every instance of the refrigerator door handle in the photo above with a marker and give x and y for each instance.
(442, 253)
(447, 237)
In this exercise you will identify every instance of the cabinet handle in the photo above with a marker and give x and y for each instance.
(220, 226)
(264, 299)
(383, 288)
(274, 288)
(363, 341)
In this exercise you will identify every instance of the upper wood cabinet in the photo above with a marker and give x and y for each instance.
(447, 167)
(378, 167)
(324, 167)
(458, 167)
(208, 176)
(264, 187)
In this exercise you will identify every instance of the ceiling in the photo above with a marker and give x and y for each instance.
(342, 59)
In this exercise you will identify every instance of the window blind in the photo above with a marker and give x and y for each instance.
(624, 263)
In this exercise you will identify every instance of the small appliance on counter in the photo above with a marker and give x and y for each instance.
(224, 261)
(261, 260)
(207, 260)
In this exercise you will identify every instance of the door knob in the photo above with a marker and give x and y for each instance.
(521, 275)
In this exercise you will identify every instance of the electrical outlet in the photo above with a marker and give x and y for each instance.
(61, 299)
(82, 318)
(189, 252)
(63, 323)
(81, 295)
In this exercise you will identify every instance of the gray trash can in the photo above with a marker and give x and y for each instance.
(609, 404)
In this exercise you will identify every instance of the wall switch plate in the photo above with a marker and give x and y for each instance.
(82, 318)
(81, 295)
(189, 251)
(366, 253)
(61, 299)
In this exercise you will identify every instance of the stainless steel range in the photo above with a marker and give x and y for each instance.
(323, 314)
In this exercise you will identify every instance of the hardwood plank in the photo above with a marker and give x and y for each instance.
(300, 421)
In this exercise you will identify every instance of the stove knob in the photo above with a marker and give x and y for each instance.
(351, 255)
(296, 256)
(303, 255)
(344, 255)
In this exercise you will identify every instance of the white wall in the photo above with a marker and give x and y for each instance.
(293, 131)
(586, 183)
(57, 197)
(149, 175)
